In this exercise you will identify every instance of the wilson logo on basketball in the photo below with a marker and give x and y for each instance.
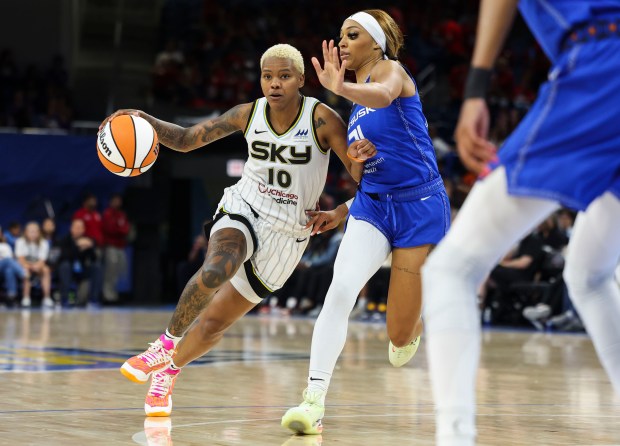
(127, 145)
(105, 147)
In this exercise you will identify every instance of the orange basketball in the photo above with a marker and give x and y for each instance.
(127, 145)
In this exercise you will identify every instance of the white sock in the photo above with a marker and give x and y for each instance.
(318, 381)
(173, 366)
(175, 339)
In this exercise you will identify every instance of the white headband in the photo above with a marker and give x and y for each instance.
(370, 24)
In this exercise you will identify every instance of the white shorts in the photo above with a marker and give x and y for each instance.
(271, 255)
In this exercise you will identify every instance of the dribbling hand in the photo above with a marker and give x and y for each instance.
(331, 75)
(471, 133)
(127, 111)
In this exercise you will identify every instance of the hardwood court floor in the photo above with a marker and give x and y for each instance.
(60, 386)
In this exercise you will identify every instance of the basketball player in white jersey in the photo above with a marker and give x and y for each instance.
(260, 230)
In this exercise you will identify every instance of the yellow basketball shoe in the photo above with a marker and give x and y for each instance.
(307, 417)
(399, 356)
(158, 402)
(139, 368)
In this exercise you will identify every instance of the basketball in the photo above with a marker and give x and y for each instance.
(127, 145)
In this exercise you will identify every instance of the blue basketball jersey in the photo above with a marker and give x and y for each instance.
(551, 20)
(567, 147)
(405, 155)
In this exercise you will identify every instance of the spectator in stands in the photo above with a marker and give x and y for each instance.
(115, 230)
(91, 217)
(48, 230)
(78, 262)
(556, 310)
(10, 270)
(566, 220)
(517, 266)
(14, 231)
(32, 251)
(551, 235)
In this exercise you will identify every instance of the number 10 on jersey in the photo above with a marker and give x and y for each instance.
(282, 177)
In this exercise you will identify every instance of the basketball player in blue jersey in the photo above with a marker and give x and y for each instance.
(400, 207)
(566, 151)
(260, 230)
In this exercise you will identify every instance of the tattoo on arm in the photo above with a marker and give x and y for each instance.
(224, 125)
(224, 257)
(170, 135)
(319, 122)
(183, 140)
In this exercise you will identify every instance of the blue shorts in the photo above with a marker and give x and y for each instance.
(567, 148)
(406, 224)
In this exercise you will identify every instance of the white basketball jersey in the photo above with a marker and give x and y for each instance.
(285, 173)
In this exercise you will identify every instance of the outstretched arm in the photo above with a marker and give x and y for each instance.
(184, 139)
(386, 85)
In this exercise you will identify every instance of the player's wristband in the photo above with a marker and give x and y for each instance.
(477, 84)
(348, 203)
(351, 157)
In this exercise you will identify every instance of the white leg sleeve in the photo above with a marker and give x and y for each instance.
(489, 223)
(589, 273)
(362, 251)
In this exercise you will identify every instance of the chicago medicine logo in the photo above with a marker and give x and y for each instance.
(278, 196)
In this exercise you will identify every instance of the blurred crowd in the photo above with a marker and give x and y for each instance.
(81, 267)
(34, 96)
(209, 55)
(209, 61)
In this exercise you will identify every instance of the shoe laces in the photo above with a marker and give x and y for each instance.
(155, 354)
(161, 383)
(402, 351)
(312, 396)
